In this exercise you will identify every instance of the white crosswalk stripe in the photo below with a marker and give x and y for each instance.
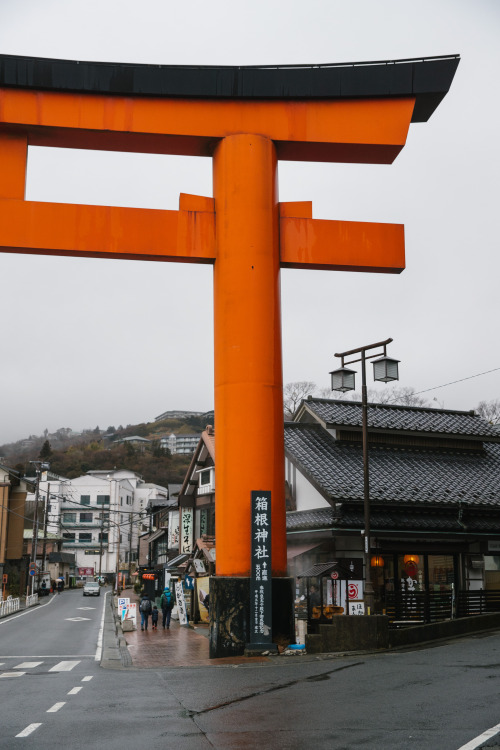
(20, 669)
(64, 666)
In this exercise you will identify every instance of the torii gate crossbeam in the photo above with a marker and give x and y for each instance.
(246, 119)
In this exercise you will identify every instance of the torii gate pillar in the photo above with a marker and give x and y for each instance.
(248, 367)
(246, 119)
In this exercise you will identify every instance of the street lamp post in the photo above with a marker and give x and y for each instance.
(385, 370)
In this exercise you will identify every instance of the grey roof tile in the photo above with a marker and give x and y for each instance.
(403, 418)
(399, 475)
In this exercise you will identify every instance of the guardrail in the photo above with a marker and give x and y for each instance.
(31, 600)
(8, 606)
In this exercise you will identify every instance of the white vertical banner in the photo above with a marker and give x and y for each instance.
(173, 529)
(186, 531)
(181, 603)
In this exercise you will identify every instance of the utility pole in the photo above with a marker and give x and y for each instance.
(100, 545)
(44, 547)
(39, 465)
(130, 552)
(34, 538)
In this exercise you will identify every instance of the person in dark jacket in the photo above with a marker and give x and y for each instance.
(166, 604)
(145, 609)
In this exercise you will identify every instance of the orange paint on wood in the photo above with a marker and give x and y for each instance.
(375, 127)
(342, 245)
(13, 158)
(106, 231)
(248, 366)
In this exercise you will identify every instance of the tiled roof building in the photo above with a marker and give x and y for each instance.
(434, 493)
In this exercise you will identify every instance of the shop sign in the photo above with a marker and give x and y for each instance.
(493, 546)
(129, 612)
(186, 530)
(356, 608)
(355, 590)
(148, 576)
(260, 574)
(173, 529)
(85, 571)
(199, 566)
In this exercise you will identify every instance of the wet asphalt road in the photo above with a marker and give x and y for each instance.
(436, 698)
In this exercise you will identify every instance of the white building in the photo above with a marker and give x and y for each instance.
(183, 444)
(101, 519)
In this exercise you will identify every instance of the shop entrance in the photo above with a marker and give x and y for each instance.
(414, 586)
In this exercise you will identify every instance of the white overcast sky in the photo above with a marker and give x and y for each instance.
(105, 342)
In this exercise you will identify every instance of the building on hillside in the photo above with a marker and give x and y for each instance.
(180, 443)
(434, 496)
(136, 441)
(176, 414)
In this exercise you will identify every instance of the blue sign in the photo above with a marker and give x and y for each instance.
(189, 582)
(32, 572)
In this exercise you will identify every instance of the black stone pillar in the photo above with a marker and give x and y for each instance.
(230, 614)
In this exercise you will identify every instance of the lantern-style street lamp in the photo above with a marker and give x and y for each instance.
(385, 370)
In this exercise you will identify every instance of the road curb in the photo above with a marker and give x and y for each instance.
(115, 653)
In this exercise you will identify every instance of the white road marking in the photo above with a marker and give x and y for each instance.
(56, 707)
(98, 652)
(64, 666)
(29, 729)
(12, 674)
(86, 679)
(76, 619)
(74, 690)
(477, 741)
(85, 607)
(28, 665)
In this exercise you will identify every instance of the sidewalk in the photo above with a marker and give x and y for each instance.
(179, 646)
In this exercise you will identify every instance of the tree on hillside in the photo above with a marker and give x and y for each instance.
(489, 410)
(45, 451)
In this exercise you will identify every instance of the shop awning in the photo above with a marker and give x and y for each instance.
(156, 535)
(318, 570)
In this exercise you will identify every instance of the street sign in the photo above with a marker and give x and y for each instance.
(32, 571)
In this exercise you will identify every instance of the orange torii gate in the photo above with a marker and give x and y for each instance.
(246, 119)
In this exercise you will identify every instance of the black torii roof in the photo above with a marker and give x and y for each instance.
(428, 79)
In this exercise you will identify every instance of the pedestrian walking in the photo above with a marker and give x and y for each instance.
(145, 610)
(166, 604)
(60, 585)
(154, 618)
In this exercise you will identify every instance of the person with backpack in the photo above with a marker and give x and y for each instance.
(145, 610)
(166, 604)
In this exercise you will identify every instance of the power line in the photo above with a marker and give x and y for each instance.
(470, 377)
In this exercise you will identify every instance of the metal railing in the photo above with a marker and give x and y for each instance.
(8, 606)
(31, 600)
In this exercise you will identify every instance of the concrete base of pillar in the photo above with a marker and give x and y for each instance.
(230, 615)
